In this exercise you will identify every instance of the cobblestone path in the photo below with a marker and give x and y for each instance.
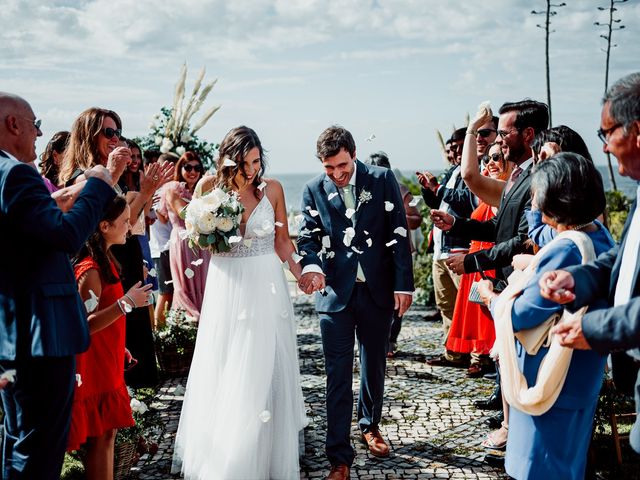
(429, 418)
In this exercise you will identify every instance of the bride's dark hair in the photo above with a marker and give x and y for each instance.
(235, 146)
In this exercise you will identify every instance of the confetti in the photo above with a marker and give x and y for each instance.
(9, 375)
(179, 390)
(299, 218)
(247, 242)
(284, 314)
(235, 239)
(356, 250)
(414, 202)
(262, 185)
(168, 282)
(265, 416)
(79, 379)
(401, 231)
(279, 224)
(313, 213)
(197, 262)
(349, 233)
(392, 242)
(332, 195)
(369, 242)
(349, 213)
(152, 272)
(189, 273)
(315, 230)
(228, 162)
(371, 137)
(366, 233)
(388, 206)
(91, 303)
(296, 258)
(326, 241)
(331, 254)
(273, 288)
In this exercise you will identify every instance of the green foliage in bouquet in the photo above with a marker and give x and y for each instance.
(171, 129)
(177, 334)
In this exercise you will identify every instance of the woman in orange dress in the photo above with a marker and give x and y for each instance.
(101, 402)
(472, 331)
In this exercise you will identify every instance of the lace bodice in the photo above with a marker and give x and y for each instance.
(260, 233)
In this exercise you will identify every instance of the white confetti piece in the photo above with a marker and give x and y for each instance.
(349, 233)
(179, 390)
(392, 242)
(401, 231)
(197, 262)
(9, 375)
(265, 416)
(315, 230)
(313, 213)
(331, 254)
(349, 213)
(388, 206)
(296, 258)
(262, 185)
(91, 303)
(332, 195)
(79, 379)
(371, 137)
(356, 250)
(284, 313)
(247, 242)
(414, 202)
(152, 273)
(168, 282)
(299, 218)
(273, 288)
(235, 239)
(279, 224)
(189, 273)
(366, 233)
(228, 162)
(369, 242)
(326, 241)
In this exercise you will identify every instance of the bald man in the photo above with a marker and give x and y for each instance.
(42, 319)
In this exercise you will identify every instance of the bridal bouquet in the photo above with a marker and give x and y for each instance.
(212, 220)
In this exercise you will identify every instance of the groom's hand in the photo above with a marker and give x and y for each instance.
(402, 302)
(311, 282)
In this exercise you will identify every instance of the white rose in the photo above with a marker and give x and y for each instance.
(158, 139)
(207, 223)
(166, 146)
(225, 224)
(185, 138)
(215, 198)
(180, 150)
(138, 407)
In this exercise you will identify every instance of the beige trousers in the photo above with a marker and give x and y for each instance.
(445, 285)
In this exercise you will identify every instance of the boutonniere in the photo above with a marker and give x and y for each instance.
(364, 197)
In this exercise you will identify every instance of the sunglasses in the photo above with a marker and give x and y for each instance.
(485, 132)
(36, 122)
(496, 157)
(506, 133)
(110, 132)
(196, 168)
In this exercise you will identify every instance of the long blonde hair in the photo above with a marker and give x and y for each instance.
(82, 149)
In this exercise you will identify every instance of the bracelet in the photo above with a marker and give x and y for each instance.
(472, 132)
(120, 306)
(131, 300)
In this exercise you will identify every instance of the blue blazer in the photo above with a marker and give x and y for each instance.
(614, 328)
(41, 313)
(387, 269)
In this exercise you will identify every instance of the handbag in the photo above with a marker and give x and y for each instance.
(474, 294)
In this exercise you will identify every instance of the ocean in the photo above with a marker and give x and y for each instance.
(294, 183)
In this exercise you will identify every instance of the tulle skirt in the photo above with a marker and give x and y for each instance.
(243, 407)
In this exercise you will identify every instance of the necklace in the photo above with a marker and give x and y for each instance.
(581, 227)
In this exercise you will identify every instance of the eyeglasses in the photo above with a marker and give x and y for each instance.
(36, 122)
(604, 134)
(496, 157)
(485, 132)
(506, 133)
(196, 168)
(110, 132)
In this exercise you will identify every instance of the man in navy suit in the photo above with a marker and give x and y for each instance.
(42, 319)
(614, 275)
(355, 253)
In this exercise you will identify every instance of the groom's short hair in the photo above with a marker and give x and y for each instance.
(334, 139)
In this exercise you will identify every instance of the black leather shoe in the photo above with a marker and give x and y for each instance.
(496, 461)
(495, 421)
(494, 402)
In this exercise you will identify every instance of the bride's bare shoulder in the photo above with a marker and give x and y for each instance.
(206, 183)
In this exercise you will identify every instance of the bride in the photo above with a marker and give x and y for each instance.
(243, 408)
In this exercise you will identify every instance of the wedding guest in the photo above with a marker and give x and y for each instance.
(614, 275)
(101, 402)
(51, 159)
(96, 136)
(569, 192)
(414, 219)
(42, 320)
(188, 267)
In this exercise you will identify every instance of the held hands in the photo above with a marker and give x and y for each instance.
(442, 220)
(311, 282)
(99, 172)
(557, 286)
(428, 181)
(456, 263)
(118, 160)
(139, 294)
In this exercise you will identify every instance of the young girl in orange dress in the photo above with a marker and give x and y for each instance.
(101, 402)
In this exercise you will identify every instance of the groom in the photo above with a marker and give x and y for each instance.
(356, 255)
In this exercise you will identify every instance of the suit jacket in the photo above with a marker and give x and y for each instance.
(461, 204)
(41, 313)
(387, 269)
(614, 328)
(508, 229)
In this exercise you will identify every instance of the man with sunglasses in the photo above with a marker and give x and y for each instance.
(616, 274)
(42, 319)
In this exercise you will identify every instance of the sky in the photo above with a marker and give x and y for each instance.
(395, 69)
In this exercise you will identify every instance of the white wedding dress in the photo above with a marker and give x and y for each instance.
(243, 407)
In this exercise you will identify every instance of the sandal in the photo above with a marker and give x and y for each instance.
(490, 443)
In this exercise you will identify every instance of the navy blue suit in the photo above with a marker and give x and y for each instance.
(42, 318)
(346, 306)
(615, 328)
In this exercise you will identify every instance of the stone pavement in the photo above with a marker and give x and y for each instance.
(429, 418)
